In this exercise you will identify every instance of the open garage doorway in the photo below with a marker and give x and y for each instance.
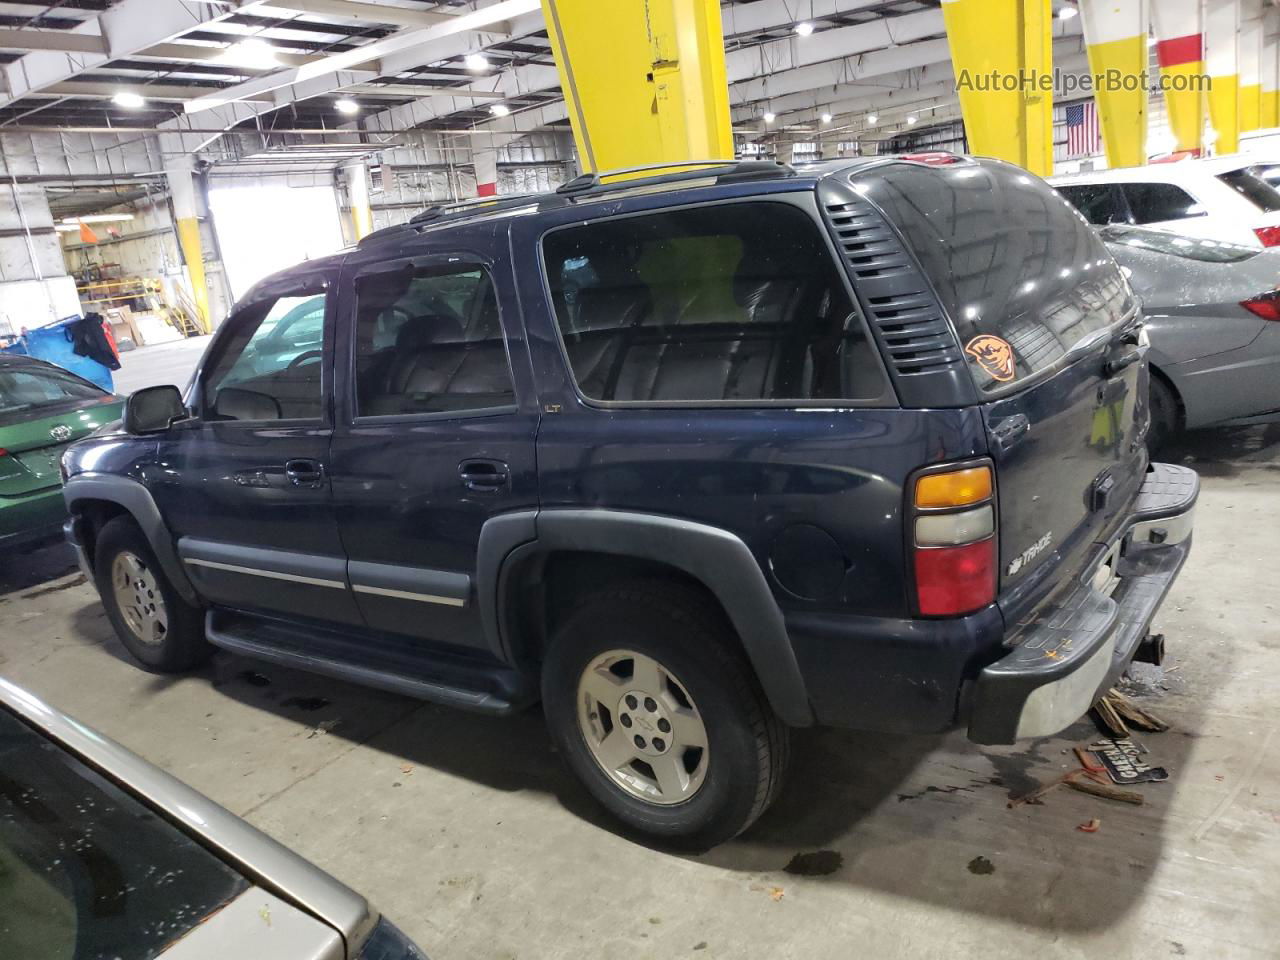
(263, 228)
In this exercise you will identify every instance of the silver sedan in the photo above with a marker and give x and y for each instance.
(1213, 316)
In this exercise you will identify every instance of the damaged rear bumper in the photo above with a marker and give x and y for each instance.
(1076, 647)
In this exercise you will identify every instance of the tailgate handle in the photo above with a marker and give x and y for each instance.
(1112, 367)
(1010, 430)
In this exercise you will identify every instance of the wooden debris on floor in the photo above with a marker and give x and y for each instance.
(1115, 714)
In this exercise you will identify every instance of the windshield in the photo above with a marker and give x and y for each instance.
(87, 871)
(31, 387)
(1189, 248)
(1253, 188)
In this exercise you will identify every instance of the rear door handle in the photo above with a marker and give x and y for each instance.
(483, 475)
(304, 473)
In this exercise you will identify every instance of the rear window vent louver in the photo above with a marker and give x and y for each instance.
(912, 328)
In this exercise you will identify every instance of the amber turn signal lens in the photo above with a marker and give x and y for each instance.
(954, 489)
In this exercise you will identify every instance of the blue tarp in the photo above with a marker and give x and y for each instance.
(53, 343)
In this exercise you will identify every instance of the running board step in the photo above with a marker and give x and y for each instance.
(413, 670)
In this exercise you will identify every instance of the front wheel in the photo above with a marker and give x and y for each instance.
(658, 713)
(162, 631)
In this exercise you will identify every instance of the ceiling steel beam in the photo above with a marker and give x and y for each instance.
(372, 12)
(63, 40)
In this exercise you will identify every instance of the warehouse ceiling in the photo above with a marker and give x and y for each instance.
(483, 67)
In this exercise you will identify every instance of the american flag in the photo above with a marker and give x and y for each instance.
(1084, 138)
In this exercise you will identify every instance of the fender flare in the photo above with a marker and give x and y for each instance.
(718, 559)
(136, 499)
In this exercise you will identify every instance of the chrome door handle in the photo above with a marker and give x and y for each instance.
(304, 473)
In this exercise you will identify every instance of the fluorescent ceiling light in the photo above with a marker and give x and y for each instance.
(98, 218)
(804, 29)
(1066, 13)
(826, 118)
(872, 120)
(499, 109)
(128, 99)
(770, 116)
(253, 53)
(347, 105)
(476, 62)
(910, 121)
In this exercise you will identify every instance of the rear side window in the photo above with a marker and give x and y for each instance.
(731, 302)
(429, 340)
(22, 390)
(1022, 277)
(1253, 188)
(1100, 203)
(1157, 202)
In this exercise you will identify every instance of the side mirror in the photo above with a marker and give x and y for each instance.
(153, 409)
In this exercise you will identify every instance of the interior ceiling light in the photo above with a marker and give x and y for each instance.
(910, 121)
(770, 116)
(826, 118)
(499, 109)
(347, 105)
(1067, 12)
(872, 120)
(98, 218)
(804, 29)
(251, 52)
(476, 62)
(128, 99)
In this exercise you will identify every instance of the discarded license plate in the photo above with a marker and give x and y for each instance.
(1123, 760)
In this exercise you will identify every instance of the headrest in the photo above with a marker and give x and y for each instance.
(418, 333)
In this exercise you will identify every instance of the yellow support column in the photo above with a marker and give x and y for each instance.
(356, 176)
(1179, 29)
(1249, 52)
(1221, 27)
(1270, 102)
(644, 80)
(178, 174)
(1002, 53)
(1116, 38)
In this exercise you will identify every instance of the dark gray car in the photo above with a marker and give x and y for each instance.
(103, 855)
(1213, 316)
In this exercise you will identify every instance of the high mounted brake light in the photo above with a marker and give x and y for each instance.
(953, 526)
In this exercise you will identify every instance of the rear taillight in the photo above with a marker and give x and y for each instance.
(1267, 236)
(1266, 305)
(953, 540)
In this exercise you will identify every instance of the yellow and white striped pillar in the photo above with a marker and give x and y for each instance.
(1115, 35)
(1270, 102)
(1222, 63)
(356, 177)
(178, 172)
(1004, 38)
(1179, 30)
(1249, 52)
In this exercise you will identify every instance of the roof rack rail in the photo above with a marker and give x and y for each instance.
(736, 169)
(459, 206)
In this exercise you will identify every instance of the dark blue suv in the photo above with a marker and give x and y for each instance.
(692, 456)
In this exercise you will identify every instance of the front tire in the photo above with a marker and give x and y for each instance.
(658, 713)
(162, 631)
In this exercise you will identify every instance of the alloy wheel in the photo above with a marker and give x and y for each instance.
(138, 597)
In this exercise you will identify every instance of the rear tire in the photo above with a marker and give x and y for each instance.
(161, 630)
(1164, 414)
(700, 754)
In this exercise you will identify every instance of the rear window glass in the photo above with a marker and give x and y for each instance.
(731, 302)
(1253, 188)
(87, 871)
(1098, 202)
(34, 387)
(1023, 278)
(1157, 202)
(1188, 248)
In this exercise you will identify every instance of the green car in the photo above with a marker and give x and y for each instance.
(43, 408)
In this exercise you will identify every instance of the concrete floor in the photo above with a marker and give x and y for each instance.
(469, 833)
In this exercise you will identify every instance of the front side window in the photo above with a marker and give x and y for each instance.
(1100, 203)
(1158, 202)
(429, 340)
(732, 302)
(25, 390)
(270, 368)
